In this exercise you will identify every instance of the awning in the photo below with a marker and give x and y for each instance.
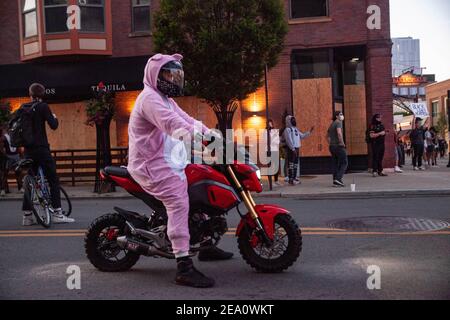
(73, 80)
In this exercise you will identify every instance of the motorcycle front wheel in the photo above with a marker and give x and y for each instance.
(101, 245)
(285, 250)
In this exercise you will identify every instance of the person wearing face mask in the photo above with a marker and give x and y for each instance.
(377, 136)
(293, 137)
(335, 137)
(417, 137)
(157, 159)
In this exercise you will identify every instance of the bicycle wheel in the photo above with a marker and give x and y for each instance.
(66, 204)
(37, 202)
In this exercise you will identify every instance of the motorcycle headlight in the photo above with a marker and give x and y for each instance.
(258, 174)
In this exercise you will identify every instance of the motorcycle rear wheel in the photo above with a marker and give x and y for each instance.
(104, 253)
(279, 256)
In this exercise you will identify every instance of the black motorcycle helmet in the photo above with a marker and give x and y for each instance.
(171, 79)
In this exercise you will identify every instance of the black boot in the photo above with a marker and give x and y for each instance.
(187, 275)
(213, 254)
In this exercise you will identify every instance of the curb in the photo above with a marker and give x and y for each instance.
(312, 196)
(356, 195)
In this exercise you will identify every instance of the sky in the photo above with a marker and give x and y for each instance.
(429, 21)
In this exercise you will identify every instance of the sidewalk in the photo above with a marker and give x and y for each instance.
(433, 182)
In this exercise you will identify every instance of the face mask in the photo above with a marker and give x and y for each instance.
(169, 89)
(341, 118)
(293, 122)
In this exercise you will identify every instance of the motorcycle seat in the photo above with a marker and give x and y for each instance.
(117, 171)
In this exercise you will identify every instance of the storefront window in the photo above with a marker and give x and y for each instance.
(141, 15)
(311, 64)
(308, 8)
(92, 15)
(29, 18)
(354, 72)
(55, 16)
(434, 109)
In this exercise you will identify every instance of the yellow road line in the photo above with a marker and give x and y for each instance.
(42, 231)
(371, 233)
(16, 235)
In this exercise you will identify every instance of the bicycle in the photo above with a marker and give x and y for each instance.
(37, 194)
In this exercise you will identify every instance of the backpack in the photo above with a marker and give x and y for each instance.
(20, 127)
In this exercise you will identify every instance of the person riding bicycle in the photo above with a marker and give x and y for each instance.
(39, 152)
(157, 160)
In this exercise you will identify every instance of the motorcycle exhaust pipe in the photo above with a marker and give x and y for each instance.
(142, 248)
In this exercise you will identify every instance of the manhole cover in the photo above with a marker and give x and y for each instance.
(389, 224)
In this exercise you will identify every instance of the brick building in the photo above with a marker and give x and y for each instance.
(331, 61)
(437, 95)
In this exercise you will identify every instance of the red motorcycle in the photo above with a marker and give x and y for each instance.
(268, 237)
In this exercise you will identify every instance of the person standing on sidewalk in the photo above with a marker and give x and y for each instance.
(377, 136)
(12, 155)
(335, 137)
(39, 152)
(293, 137)
(399, 152)
(417, 137)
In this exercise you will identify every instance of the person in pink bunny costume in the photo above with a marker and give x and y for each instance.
(157, 159)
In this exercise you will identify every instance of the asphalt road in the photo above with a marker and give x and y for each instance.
(333, 264)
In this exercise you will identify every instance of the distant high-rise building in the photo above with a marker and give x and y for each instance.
(405, 55)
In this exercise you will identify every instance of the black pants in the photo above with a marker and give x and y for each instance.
(377, 157)
(417, 155)
(339, 162)
(293, 164)
(43, 158)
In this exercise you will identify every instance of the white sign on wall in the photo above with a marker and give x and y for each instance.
(419, 109)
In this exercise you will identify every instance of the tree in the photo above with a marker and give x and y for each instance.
(441, 125)
(226, 45)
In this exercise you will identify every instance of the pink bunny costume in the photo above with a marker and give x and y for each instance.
(156, 160)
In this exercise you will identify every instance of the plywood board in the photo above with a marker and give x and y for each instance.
(355, 119)
(312, 101)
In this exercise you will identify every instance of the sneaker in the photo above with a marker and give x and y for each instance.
(277, 183)
(187, 275)
(374, 174)
(397, 169)
(286, 179)
(422, 168)
(382, 174)
(416, 168)
(28, 220)
(338, 183)
(60, 218)
(297, 181)
(2, 193)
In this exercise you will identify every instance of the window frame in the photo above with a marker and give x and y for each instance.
(93, 6)
(44, 16)
(327, 14)
(23, 13)
(434, 103)
(133, 31)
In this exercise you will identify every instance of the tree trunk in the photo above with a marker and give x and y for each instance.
(103, 158)
(224, 116)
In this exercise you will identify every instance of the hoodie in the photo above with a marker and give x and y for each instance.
(154, 153)
(293, 136)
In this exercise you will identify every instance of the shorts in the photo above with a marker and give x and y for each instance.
(430, 149)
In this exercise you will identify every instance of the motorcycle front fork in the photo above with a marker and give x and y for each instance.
(250, 204)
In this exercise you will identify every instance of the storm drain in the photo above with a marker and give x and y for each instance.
(389, 224)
